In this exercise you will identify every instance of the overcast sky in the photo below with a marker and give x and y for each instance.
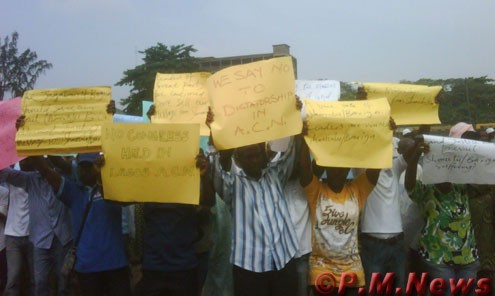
(92, 42)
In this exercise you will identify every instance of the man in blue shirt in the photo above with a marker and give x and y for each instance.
(101, 264)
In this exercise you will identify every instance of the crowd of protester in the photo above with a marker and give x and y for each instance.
(268, 223)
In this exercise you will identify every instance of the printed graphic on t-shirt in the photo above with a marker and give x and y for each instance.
(338, 219)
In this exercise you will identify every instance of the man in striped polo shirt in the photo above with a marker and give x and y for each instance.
(264, 242)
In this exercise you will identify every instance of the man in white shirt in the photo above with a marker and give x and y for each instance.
(297, 204)
(382, 238)
(4, 203)
(19, 249)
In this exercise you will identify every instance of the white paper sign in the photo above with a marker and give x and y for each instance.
(458, 161)
(320, 90)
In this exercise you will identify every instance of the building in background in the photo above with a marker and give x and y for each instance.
(212, 64)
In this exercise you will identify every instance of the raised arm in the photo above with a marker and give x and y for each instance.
(61, 163)
(306, 174)
(52, 177)
(151, 111)
(111, 109)
(412, 158)
(207, 194)
(373, 175)
(225, 156)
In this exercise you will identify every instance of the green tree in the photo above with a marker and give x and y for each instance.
(18, 72)
(348, 91)
(157, 59)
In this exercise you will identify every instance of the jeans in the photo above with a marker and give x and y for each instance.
(45, 260)
(448, 272)
(3, 270)
(19, 254)
(109, 283)
(282, 282)
(378, 255)
(302, 267)
(172, 283)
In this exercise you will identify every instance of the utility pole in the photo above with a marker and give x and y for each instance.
(468, 102)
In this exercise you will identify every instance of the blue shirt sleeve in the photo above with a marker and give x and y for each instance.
(16, 178)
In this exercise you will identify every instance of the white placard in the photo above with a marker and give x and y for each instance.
(458, 161)
(320, 90)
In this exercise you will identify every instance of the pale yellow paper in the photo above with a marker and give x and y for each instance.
(65, 120)
(253, 103)
(151, 162)
(350, 133)
(410, 104)
(181, 98)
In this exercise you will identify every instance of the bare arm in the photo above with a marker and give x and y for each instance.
(412, 163)
(306, 174)
(111, 109)
(373, 175)
(207, 194)
(59, 162)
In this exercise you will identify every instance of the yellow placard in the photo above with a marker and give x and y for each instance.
(64, 120)
(353, 134)
(253, 103)
(410, 103)
(181, 98)
(151, 162)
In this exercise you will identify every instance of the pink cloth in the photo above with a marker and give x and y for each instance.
(9, 111)
(460, 128)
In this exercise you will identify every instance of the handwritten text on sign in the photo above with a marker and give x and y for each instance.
(253, 103)
(350, 133)
(320, 90)
(151, 162)
(410, 104)
(62, 121)
(459, 161)
(181, 98)
(9, 112)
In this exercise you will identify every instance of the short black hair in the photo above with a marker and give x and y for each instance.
(471, 135)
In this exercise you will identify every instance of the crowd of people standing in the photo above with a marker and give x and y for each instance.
(268, 223)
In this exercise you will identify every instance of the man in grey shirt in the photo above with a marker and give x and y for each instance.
(49, 225)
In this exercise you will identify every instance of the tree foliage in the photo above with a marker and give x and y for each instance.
(157, 59)
(18, 72)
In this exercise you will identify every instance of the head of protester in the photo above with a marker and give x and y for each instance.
(491, 134)
(252, 159)
(26, 164)
(86, 169)
(408, 133)
(460, 128)
(471, 135)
